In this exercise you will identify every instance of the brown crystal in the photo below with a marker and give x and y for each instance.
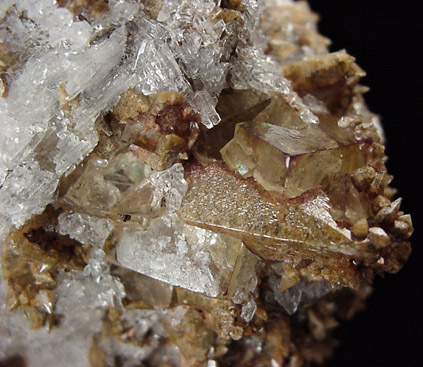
(268, 224)
(86, 7)
(161, 127)
(330, 78)
(31, 258)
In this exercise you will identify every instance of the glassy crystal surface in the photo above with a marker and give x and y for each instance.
(268, 224)
(186, 256)
(184, 183)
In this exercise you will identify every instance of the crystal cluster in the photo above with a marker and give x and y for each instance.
(184, 183)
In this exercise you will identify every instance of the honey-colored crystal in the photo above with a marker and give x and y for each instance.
(268, 224)
(202, 186)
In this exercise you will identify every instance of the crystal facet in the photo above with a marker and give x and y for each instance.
(184, 183)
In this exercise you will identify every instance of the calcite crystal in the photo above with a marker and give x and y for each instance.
(184, 183)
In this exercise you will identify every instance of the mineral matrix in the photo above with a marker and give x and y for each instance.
(184, 183)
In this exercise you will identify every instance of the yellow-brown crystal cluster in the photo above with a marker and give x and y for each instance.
(243, 244)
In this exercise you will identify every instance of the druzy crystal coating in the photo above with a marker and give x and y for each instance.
(184, 183)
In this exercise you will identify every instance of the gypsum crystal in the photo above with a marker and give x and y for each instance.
(184, 183)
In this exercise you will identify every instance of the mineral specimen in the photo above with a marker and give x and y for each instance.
(184, 183)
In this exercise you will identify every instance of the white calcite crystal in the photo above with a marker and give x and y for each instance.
(187, 256)
(86, 229)
(82, 301)
(185, 183)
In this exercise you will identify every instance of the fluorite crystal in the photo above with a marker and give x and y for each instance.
(184, 183)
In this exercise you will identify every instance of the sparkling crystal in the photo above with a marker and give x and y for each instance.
(184, 183)
(189, 251)
(84, 228)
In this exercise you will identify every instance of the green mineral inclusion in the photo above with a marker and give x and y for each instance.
(241, 169)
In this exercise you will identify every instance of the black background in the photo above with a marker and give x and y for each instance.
(386, 38)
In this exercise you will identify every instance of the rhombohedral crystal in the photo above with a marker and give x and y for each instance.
(184, 183)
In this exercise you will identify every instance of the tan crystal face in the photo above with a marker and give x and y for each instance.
(186, 184)
(290, 161)
(270, 226)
